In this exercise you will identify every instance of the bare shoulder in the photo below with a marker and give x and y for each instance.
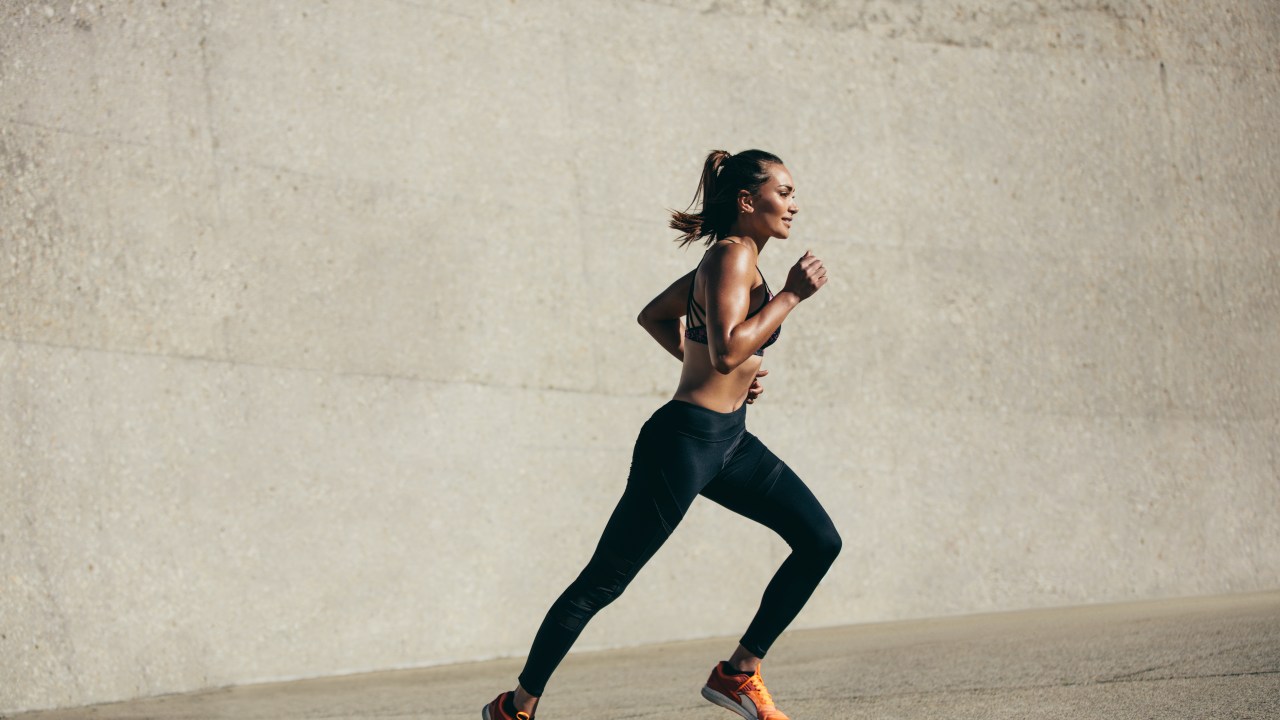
(731, 260)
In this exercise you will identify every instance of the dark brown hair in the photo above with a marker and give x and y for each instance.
(723, 176)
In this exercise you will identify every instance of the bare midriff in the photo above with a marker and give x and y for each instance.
(701, 384)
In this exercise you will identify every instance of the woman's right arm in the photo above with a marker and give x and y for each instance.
(661, 317)
(732, 336)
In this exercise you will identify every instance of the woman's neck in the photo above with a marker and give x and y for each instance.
(742, 233)
(747, 239)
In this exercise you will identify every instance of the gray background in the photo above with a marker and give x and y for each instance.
(317, 319)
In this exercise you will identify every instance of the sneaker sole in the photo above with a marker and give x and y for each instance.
(723, 702)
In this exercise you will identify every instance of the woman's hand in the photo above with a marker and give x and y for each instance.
(756, 389)
(806, 276)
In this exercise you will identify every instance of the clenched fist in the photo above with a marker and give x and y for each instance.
(806, 276)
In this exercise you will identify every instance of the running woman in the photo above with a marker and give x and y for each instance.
(698, 444)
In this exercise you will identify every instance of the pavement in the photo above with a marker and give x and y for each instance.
(1216, 657)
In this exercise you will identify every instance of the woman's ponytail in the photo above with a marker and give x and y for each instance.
(690, 224)
(724, 175)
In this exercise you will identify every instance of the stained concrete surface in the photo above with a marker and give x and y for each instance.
(1214, 657)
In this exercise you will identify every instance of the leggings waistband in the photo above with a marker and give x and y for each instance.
(700, 422)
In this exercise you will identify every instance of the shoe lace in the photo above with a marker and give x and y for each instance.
(756, 683)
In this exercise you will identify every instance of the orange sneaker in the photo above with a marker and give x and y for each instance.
(741, 693)
(497, 710)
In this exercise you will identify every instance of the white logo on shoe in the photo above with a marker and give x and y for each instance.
(748, 704)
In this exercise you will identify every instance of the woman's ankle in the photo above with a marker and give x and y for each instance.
(523, 701)
(744, 661)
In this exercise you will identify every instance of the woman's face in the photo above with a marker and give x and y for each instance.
(774, 204)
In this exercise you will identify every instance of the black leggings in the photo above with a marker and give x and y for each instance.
(685, 450)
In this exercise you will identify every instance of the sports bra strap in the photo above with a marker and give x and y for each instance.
(692, 305)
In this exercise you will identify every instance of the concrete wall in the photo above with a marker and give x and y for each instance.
(317, 339)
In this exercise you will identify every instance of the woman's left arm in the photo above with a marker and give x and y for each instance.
(661, 317)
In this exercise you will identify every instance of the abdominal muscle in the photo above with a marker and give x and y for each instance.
(701, 384)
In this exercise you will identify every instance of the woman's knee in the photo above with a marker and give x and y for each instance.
(821, 542)
(827, 542)
(587, 596)
(601, 582)
(595, 597)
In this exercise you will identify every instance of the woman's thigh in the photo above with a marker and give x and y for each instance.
(758, 485)
(668, 470)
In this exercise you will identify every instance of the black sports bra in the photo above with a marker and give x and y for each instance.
(694, 313)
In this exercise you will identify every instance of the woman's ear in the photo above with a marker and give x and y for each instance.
(746, 202)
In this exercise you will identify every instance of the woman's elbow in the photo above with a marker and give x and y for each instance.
(724, 364)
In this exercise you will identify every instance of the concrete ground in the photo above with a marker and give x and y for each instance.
(1189, 658)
